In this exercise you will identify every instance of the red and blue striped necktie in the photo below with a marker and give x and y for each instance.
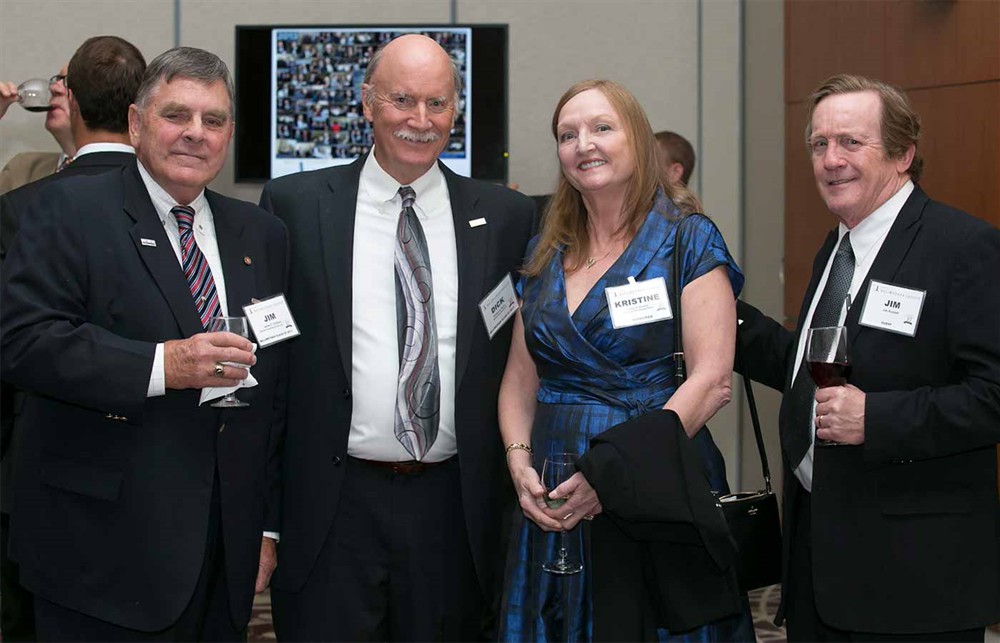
(196, 269)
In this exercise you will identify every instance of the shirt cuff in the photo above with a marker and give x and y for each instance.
(157, 378)
(273, 535)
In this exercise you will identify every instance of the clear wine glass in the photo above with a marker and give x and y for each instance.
(557, 469)
(34, 94)
(239, 326)
(828, 360)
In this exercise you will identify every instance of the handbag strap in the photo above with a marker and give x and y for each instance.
(680, 368)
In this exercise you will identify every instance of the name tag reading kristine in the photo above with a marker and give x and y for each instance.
(892, 308)
(638, 302)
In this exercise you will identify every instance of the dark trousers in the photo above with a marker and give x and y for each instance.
(207, 616)
(17, 612)
(396, 564)
(802, 621)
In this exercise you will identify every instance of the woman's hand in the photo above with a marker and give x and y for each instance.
(530, 493)
(582, 502)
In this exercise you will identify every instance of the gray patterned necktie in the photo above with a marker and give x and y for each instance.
(797, 434)
(418, 392)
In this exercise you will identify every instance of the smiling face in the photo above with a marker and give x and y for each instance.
(853, 174)
(411, 105)
(594, 149)
(182, 135)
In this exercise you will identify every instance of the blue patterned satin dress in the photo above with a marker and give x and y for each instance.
(591, 378)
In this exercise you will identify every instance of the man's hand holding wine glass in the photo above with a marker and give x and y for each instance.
(840, 414)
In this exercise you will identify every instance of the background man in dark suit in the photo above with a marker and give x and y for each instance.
(894, 534)
(138, 513)
(107, 72)
(386, 535)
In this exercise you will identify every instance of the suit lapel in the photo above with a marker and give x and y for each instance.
(237, 273)
(473, 257)
(159, 259)
(897, 243)
(336, 211)
(819, 264)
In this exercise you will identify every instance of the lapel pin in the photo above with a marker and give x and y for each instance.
(247, 260)
(475, 223)
(148, 242)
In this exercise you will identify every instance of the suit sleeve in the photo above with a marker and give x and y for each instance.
(49, 346)
(931, 422)
(767, 346)
(276, 436)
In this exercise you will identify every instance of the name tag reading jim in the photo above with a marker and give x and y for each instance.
(892, 308)
(638, 302)
(499, 305)
(271, 320)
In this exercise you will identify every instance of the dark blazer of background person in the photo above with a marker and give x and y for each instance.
(906, 527)
(113, 493)
(14, 202)
(319, 209)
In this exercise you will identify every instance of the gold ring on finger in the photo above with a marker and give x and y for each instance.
(219, 369)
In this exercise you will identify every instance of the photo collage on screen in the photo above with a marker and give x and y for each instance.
(318, 114)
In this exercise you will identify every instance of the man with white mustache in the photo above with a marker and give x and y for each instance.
(394, 479)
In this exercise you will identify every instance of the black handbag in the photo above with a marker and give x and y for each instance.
(752, 516)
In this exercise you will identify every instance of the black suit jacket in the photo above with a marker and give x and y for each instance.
(660, 551)
(319, 209)
(909, 521)
(112, 496)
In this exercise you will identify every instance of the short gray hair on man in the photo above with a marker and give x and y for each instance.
(185, 62)
(456, 75)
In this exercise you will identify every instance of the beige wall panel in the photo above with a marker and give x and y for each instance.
(650, 47)
(37, 37)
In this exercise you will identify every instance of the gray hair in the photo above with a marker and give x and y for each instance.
(185, 62)
(369, 98)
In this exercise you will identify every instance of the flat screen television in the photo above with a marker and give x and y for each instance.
(298, 97)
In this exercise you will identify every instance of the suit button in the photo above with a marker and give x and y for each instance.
(347, 393)
(336, 460)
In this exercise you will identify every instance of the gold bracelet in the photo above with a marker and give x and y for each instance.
(515, 447)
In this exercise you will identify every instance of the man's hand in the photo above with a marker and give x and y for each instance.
(840, 414)
(268, 563)
(8, 96)
(197, 362)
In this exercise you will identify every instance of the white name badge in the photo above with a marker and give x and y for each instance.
(271, 320)
(892, 308)
(499, 305)
(637, 303)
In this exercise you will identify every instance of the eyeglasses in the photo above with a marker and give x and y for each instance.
(58, 78)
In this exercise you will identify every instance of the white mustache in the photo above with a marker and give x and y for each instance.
(417, 137)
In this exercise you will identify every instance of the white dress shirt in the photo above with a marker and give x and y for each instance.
(866, 241)
(204, 236)
(90, 148)
(374, 336)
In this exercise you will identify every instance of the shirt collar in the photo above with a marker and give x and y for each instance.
(383, 189)
(90, 148)
(163, 202)
(876, 225)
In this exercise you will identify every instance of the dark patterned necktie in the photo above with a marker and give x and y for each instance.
(196, 270)
(797, 436)
(418, 392)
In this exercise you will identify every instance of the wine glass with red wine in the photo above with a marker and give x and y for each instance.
(828, 359)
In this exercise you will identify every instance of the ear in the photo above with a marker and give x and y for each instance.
(676, 172)
(134, 124)
(366, 90)
(904, 161)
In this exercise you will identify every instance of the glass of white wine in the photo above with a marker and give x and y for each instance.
(239, 326)
(557, 469)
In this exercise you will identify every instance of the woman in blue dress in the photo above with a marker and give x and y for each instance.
(571, 374)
